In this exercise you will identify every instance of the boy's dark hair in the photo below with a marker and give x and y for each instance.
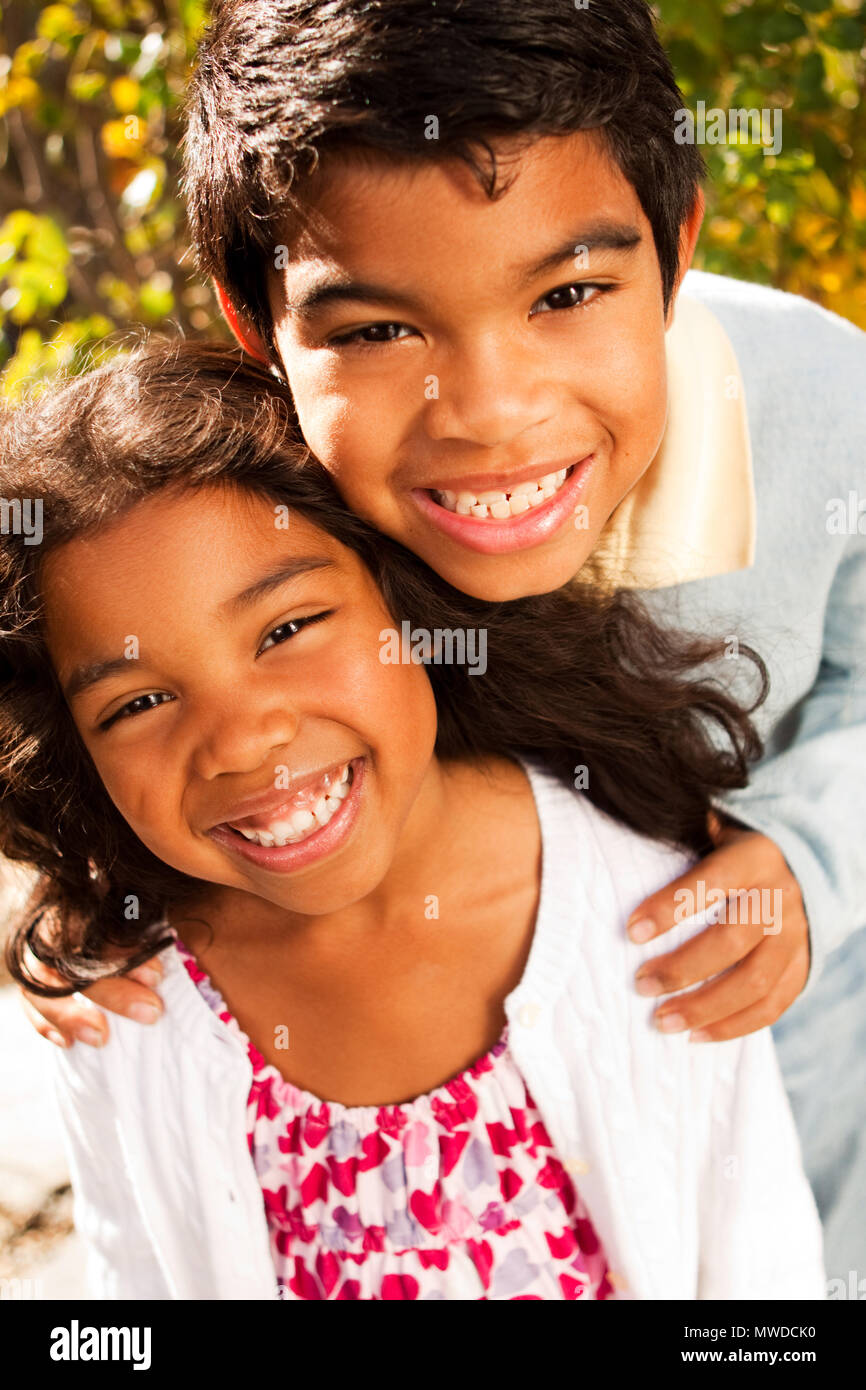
(280, 83)
(575, 678)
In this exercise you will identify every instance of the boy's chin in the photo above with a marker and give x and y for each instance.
(503, 578)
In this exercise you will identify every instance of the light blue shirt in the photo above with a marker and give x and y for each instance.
(802, 604)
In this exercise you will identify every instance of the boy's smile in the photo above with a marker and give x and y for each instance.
(484, 379)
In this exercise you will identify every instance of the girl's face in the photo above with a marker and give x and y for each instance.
(223, 668)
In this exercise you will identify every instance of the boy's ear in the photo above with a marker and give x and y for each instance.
(689, 233)
(249, 339)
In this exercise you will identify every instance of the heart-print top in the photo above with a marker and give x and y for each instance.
(456, 1194)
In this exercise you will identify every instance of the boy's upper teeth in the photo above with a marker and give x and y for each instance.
(503, 502)
(302, 815)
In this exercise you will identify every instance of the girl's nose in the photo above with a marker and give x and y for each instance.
(488, 395)
(242, 736)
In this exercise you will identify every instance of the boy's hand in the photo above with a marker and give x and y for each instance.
(758, 973)
(70, 1019)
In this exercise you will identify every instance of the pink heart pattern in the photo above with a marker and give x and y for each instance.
(457, 1194)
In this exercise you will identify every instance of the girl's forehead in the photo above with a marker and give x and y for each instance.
(196, 545)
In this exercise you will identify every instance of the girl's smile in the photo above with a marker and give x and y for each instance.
(313, 823)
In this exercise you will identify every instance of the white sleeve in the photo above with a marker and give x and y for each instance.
(760, 1234)
(121, 1262)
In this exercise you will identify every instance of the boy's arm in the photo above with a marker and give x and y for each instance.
(811, 798)
(803, 849)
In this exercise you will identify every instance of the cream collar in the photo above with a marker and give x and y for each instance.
(692, 514)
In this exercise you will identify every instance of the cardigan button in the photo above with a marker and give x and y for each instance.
(576, 1165)
(528, 1013)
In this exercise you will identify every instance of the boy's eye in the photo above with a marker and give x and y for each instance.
(573, 296)
(374, 333)
(284, 631)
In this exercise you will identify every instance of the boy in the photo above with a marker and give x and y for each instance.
(462, 233)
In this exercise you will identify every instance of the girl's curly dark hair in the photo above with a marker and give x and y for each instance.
(577, 677)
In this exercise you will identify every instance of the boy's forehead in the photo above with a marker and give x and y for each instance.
(362, 210)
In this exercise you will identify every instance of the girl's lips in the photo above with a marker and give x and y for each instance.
(287, 858)
(517, 532)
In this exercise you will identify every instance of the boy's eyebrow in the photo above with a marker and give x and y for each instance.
(605, 235)
(337, 290)
(90, 673)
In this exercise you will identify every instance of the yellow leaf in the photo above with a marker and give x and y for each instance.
(125, 93)
(123, 139)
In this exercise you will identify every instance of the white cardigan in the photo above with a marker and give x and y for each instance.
(685, 1154)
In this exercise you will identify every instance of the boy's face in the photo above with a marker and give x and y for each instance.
(485, 380)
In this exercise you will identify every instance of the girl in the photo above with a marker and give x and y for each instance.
(400, 1056)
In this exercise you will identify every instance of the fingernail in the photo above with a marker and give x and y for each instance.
(146, 975)
(143, 1013)
(642, 930)
(670, 1023)
(648, 985)
(700, 1035)
(56, 1038)
(91, 1036)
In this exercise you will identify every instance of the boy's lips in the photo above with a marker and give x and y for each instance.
(316, 840)
(495, 536)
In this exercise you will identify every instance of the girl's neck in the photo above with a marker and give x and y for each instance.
(451, 838)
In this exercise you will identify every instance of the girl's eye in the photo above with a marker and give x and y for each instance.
(284, 631)
(574, 296)
(372, 334)
(136, 706)
(279, 634)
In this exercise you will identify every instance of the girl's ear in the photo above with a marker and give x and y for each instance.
(249, 339)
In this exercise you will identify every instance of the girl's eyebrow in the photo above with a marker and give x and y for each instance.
(280, 573)
(90, 673)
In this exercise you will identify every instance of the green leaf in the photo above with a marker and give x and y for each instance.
(783, 27)
(845, 32)
(87, 86)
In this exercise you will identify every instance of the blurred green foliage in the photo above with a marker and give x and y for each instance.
(798, 220)
(92, 240)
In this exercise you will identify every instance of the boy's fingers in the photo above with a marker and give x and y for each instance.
(42, 1026)
(715, 949)
(735, 862)
(755, 1016)
(122, 994)
(75, 1020)
(754, 983)
(65, 1021)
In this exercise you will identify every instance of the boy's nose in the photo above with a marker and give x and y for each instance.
(489, 396)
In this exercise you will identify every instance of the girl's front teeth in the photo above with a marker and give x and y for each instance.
(501, 505)
(303, 822)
